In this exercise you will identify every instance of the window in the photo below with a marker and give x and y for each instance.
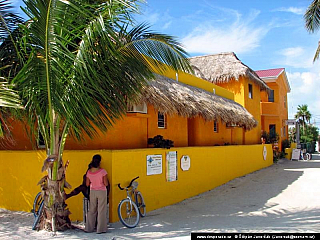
(215, 126)
(271, 96)
(161, 120)
(284, 131)
(250, 91)
(272, 130)
(138, 108)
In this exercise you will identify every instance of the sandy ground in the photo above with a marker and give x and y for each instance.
(282, 198)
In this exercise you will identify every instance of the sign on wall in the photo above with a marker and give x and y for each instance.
(154, 164)
(172, 168)
(185, 163)
(264, 153)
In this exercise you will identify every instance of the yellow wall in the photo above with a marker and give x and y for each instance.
(199, 83)
(210, 167)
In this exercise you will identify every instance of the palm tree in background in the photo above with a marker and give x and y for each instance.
(303, 115)
(312, 21)
(83, 60)
(8, 96)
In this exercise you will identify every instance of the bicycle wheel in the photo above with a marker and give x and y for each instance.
(140, 204)
(37, 219)
(128, 213)
(36, 204)
(308, 156)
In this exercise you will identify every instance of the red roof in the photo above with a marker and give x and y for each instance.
(269, 72)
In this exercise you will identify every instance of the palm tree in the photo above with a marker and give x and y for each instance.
(8, 97)
(85, 61)
(312, 21)
(303, 115)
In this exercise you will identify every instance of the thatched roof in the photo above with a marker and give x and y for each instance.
(172, 97)
(224, 67)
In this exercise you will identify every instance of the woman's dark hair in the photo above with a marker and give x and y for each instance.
(96, 159)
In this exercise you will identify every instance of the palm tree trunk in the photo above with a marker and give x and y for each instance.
(56, 215)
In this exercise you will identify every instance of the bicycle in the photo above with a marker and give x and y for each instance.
(37, 210)
(305, 155)
(129, 211)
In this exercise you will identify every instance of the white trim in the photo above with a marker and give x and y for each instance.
(274, 79)
(137, 108)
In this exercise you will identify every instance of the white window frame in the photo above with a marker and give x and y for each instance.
(137, 108)
(250, 92)
(215, 126)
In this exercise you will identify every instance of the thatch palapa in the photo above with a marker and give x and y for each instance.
(223, 68)
(172, 97)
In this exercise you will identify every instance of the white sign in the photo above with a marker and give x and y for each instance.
(185, 163)
(295, 154)
(154, 164)
(291, 122)
(265, 153)
(172, 166)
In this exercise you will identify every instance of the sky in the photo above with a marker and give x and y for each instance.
(264, 34)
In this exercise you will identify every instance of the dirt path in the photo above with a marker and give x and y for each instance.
(282, 198)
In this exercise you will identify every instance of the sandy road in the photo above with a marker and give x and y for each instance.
(282, 198)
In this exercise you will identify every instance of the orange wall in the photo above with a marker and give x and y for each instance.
(253, 106)
(176, 128)
(201, 133)
(19, 136)
(241, 95)
(129, 132)
(276, 112)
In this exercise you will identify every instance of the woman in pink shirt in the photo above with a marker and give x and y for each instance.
(97, 179)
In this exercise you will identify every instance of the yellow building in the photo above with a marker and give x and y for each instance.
(181, 107)
(274, 106)
(227, 71)
(187, 110)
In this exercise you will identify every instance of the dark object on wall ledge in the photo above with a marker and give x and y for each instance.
(159, 142)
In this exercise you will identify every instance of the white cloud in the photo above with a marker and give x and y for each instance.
(297, 57)
(152, 18)
(295, 10)
(305, 89)
(167, 25)
(239, 37)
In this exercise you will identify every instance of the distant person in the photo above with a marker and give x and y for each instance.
(97, 179)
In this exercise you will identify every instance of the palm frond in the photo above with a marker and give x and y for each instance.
(312, 16)
(141, 42)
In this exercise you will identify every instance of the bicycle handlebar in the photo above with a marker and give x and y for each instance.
(128, 185)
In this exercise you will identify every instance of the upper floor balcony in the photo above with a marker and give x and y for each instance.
(269, 109)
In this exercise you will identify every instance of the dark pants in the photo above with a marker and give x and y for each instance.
(82, 188)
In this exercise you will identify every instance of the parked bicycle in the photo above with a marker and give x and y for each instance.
(37, 209)
(305, 155)
(130, 210)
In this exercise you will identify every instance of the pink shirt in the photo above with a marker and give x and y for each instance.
(96, 179)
